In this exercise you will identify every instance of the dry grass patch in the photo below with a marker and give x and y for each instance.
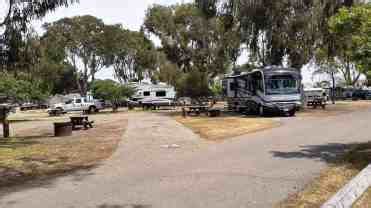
(31, 115)
(339, 108)
(332, 180)
(226, 126)
(364, 201)
(29, 156)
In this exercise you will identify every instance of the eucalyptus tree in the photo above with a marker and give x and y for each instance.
(199, 42)
(280, 31)
(192, 40)
(15, 21)
(132, 55)
(80, 41)
(25, 11)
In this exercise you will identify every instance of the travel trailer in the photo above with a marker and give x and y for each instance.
(271, 89)
(153, 91)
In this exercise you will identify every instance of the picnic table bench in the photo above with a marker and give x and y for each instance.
(81, 121)
(55, 112)
(197, 110)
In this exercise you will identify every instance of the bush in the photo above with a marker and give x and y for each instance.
(112, 91)
(20, 91)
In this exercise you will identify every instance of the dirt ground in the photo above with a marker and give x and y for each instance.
(33, 151)
(226, 126)
(339, 108)
(231, 125)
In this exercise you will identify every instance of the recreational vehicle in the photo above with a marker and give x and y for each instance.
(270, 89)
(153, 95)
(154, 91)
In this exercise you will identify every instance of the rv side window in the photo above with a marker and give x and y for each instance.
(146, 93)
(161, 94)
(78, 101)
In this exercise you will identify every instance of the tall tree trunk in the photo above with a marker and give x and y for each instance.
(85, 80)
(348, 78)
(333, 87)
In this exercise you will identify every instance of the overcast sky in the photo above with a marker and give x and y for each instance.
(129, 13)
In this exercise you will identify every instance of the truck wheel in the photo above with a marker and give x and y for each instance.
(291, 113)
(92, 109)
(261, 110)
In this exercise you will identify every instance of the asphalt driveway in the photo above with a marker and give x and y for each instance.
(255, 170)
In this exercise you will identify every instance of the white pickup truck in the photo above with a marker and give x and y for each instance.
(80, 104)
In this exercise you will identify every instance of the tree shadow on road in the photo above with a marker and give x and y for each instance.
(356, 154)
(328, 152)
(75, 174)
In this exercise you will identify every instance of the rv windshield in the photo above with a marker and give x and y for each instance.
(278, 85)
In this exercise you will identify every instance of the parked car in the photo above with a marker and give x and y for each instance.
(80, 104)
(368, 95)
(360, 94)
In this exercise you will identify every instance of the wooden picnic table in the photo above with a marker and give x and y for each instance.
(198, 109)
(81, 121)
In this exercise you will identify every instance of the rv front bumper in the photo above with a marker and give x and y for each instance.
(284, 107)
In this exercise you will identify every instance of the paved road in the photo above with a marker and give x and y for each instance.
(255, 170)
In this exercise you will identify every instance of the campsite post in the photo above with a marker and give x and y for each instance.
(4, 110)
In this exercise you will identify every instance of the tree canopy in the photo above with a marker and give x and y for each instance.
(79, 40)
(111, 91)
(132, 55)
(199, 42)
(16, 23)
(352, 29)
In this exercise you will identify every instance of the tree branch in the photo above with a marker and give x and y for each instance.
(7, 17)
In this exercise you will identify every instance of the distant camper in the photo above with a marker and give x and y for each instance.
(315, 97)
(270, 89)
(153, 91)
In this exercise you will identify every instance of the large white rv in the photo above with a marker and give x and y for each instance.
(271, 89)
